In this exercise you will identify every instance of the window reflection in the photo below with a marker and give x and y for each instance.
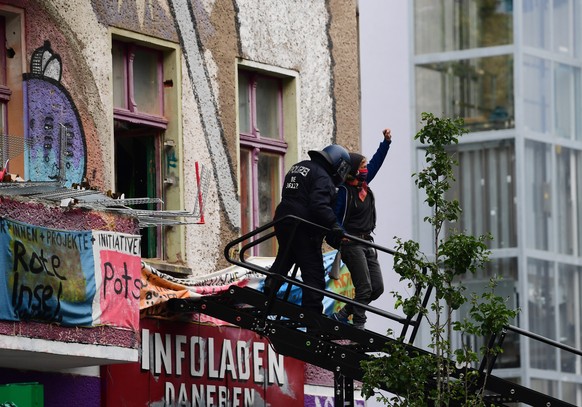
(569, 191)
(537, 94)
(478, 90)
(567, 101)
(485, 190)
(538, 208)
(541, 312)
(450, 25)
(569, 292)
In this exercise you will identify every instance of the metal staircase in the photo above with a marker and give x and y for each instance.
(332, 345)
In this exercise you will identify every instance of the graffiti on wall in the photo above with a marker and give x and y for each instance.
(75, 278)
(54, 133)
(206, 98)
(183, 20)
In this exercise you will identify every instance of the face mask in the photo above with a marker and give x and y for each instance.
(362, 174)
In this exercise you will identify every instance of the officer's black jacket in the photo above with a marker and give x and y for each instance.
(309, 193)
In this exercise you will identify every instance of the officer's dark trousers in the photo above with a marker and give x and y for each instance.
(303, 249)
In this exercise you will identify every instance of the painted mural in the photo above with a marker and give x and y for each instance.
(55, 140)
(186, 24)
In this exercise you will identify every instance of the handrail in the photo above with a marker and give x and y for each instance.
(543, 339)
(405, 321)
(501, 391)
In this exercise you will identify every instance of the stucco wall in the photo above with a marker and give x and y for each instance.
(317, 39)
(281, 34)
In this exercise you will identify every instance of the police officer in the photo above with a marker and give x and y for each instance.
(309, 193)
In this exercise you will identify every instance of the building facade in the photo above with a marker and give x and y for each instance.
(511, 70)
(195, 108)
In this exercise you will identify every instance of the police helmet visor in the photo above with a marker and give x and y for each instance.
(343, 169)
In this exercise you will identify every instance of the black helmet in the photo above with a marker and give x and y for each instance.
(338, 158)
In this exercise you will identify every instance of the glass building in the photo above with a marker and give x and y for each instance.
(511, 70)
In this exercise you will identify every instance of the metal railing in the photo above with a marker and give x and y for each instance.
(252, 240)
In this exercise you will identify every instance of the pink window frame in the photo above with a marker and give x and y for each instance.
(5, 92)
(131, 113)
(256, 144)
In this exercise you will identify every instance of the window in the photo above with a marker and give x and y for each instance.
(262, 150)
(538, 210)
(505, 269)
(567, 101)
(137, 84)
(538, 97)
(536, 23)
(4, 89)
(541, 306)
(552, 25)
(449, 25)
(480, 90)
(537, 94)
(569, 196)
(11, 96)
(569, 309)
(139, 127)
(485, 189)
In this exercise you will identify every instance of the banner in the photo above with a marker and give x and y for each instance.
(185, 364)
(118, 278)
(158, 287)
(74, 278)
(90, 278)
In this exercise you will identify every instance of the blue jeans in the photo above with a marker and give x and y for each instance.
(362, 262)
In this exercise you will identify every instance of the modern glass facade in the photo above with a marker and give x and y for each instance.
(511, 70)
